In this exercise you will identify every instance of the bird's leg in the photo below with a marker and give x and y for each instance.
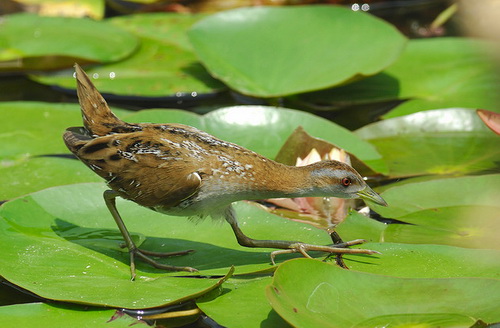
(291, 246)
(336, 239)
(109, 198)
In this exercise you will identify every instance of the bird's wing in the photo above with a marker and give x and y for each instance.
(140, 166)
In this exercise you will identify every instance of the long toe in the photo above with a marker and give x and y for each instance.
(145, 258)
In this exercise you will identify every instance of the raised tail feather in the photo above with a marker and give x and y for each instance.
(97, 116)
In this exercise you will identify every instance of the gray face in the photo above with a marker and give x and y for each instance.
(337, 179)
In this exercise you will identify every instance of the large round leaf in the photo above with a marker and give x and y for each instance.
(454, 211)
(310, 293)
(29, 131)
(63, 316)
(461, 191)
(465, 226)
(163, 66)
(68, 239)
(36, 128)
(31, 42)
(243, 305)
(430, 74)
(167, 27)
(446, 141)
(232, 308)
(21, 177)
(428, 261)
(277, 51)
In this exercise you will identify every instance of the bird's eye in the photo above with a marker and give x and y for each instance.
(346, 182)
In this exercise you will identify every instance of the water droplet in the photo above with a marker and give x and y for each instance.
(112, 75)
(95, 76)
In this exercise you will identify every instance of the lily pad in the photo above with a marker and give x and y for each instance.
(444, 141)
(459, 191)
(398, 260)
(30, 132)
(72, 248)
(278, 51)
(356, 225)
(31, 42)
(465, 226)
(164, 65)
(428, 261)
(63, 315)
(167, 27)
(459, 211)
(232, 308)
(35, 128)
(430, 74)
(326, 295)
(19, 178)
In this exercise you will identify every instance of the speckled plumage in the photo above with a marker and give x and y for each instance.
(180, 170)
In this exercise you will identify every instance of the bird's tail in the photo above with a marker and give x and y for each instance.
(97, 116)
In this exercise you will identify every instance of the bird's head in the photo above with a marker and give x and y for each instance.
(337, 179)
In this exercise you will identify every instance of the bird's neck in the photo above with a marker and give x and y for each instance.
(276, 180)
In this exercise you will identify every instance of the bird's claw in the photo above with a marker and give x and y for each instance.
(335, 249)
(144, 255)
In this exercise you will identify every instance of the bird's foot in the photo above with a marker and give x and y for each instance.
(340, 248)
(145, 256)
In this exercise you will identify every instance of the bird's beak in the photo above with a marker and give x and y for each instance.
(369, 194)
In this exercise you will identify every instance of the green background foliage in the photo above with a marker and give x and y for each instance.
(434, 162)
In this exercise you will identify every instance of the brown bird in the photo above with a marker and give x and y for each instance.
(179, 170)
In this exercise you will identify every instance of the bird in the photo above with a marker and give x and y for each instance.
(182, 171)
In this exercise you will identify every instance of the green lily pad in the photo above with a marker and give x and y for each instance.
(428, 261)
(398, 260)
(32, 129)
(35, 128)
(31, 42)
(19, 178)
(72, 248)
(243, 304)
(460, 191)
(332, 297)
(167, 27)
(465, 226)
(163, 66)
(356, 225)
(444, 141)
(459, 211)
(278, 51)
(63, 315)
(431, 73)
